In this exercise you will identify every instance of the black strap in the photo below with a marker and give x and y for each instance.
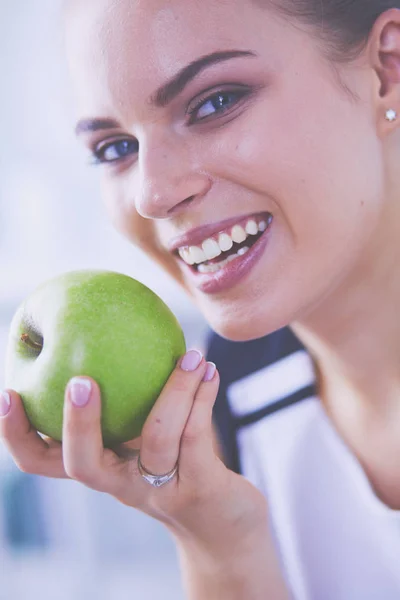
(236, 360)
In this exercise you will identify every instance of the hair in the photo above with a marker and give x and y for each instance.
(344, 26)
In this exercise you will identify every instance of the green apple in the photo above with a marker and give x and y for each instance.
(101, 324)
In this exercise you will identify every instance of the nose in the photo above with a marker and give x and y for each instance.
(170, 179)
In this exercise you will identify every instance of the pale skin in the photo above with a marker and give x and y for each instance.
(309, 144)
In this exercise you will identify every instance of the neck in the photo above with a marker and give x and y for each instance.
(354, 338)
(354, 335)
(357, 341)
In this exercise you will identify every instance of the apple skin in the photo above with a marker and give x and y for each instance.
(101, 324)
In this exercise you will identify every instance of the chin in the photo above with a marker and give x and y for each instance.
(238, 333)
(244, 316)
(241, 328)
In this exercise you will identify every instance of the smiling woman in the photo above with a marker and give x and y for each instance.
(252, 148)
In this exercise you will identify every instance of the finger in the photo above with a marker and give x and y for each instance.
(31, 453)
(164, 426)
(83, 451)
(197, 442)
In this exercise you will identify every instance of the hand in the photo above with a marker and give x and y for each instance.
(205, 501)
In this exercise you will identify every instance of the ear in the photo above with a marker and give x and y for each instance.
(384, 46)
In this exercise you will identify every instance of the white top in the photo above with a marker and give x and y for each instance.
(337, 540)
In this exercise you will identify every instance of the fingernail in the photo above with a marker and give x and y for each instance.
(210, 371)
(191, 360)
(5, 403)
(79, 390)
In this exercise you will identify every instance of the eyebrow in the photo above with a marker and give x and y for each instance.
(168, 91)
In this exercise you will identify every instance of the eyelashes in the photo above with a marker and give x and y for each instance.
(216, 103)
(114, 151)
(205, 109)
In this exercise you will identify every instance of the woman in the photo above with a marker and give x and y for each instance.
(252, 148)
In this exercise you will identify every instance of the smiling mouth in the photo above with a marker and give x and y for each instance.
(222, 248)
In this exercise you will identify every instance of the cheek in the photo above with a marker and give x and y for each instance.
(120, 207)
(325, 187)
(121, 212)
(139, 231)
(324, 183)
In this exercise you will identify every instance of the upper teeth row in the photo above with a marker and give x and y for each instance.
(212, 248)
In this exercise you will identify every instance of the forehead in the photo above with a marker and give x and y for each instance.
(115, 46)
(144, 25)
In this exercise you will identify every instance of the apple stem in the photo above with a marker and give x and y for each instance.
(27, 340)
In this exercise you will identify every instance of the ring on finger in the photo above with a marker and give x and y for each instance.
(156, 480)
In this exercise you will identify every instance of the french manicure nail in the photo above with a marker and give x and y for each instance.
(210, 371)
(79, 390)
(5, 403)
(191, 360)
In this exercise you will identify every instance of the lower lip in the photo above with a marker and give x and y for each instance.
(232, 273)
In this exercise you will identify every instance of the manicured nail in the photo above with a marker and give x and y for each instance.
(5, 403)
(79, 390)
(191, 360)
(210, 371)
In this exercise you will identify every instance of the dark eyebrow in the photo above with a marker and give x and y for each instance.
(167, 92)
(87, 125)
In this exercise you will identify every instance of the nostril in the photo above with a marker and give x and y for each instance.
(181, 204)
(188, 200)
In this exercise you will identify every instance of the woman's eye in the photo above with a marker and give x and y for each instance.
(115, 151)
(215, 104)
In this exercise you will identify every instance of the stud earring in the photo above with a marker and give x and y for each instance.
(391, 115)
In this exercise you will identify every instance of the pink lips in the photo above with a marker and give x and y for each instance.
(233, 272)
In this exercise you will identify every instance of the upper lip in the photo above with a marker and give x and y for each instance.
(195, 236)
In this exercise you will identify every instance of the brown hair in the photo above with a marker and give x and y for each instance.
(343, 25)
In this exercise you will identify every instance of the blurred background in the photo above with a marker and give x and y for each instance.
(59, 539)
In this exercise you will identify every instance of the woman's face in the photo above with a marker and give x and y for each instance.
(258, 134)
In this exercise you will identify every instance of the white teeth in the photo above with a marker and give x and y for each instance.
(225, 242)
(238, 234)
(262, 226)
(211, 249)
(197, 254)
(216, 266)
(251, 228)
(209, 268)
(186, 256)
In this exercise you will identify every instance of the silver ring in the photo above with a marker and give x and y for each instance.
(156, 480)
